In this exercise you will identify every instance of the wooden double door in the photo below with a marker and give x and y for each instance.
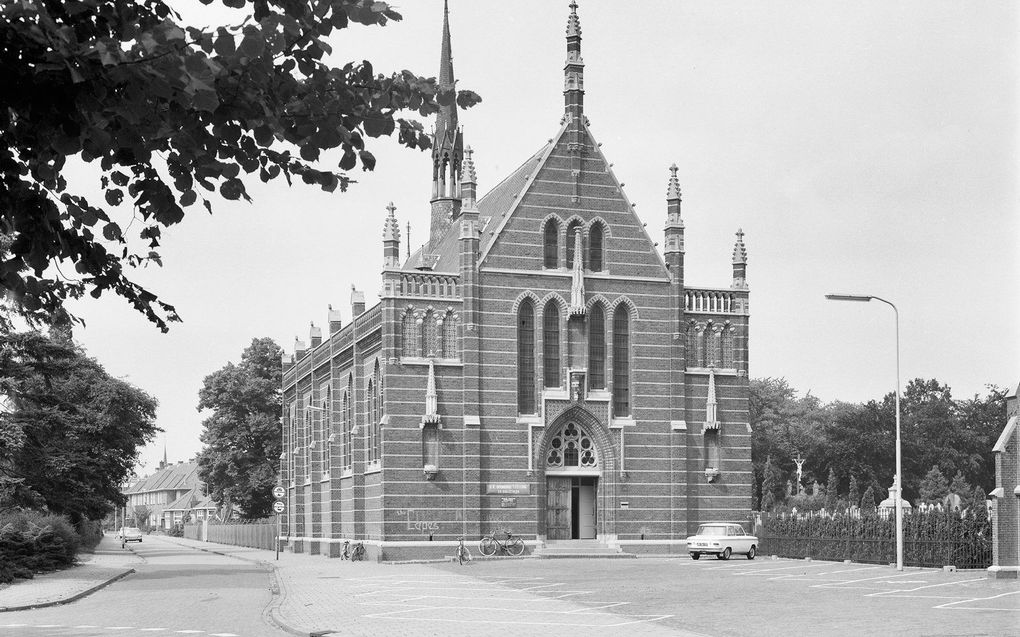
(570, 507)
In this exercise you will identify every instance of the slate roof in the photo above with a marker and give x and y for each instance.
(183, 475)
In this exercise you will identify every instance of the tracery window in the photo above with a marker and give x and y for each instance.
(621, 361)
(699, 346)
(597, 347)
(410, 335)
(571, 447)
(713, 352)
(727, 347)
(526, 358)
(430, 334)
(291, 436)
(551, 244)
(692, 345)
(348, 451)
(551, 344)
(595, 247)
(306, 435)
(450, 335)
(375, 415)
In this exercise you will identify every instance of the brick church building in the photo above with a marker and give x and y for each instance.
(537, 365)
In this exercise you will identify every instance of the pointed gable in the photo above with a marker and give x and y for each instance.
(551, 189)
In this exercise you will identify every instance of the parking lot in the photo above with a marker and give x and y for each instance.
(712, 597)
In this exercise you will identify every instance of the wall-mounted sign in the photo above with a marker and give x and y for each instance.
(507, 488)
(508, 503)
(624, 504)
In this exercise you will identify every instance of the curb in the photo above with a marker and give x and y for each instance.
(73, 598)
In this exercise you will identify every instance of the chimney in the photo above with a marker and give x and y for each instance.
(299, 349)
(315, 336)
(357, 303)
(334, 321)
(286, 360)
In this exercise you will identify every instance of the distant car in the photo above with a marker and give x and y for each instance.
(722, 539)
(130, 534)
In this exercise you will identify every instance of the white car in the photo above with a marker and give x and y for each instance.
(722, 539)
(130, 534)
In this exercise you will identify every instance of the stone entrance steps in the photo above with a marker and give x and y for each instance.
(590, 549)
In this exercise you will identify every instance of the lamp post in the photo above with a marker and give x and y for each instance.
(899, 464)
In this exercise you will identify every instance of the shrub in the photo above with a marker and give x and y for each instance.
(32, 542)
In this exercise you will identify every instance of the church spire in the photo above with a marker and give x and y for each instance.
(573, 70)
(739, 263)
(447, 147)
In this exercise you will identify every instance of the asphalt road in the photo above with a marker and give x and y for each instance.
(175, 591)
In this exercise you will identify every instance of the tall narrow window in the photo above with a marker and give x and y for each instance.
(526, 358)
(692, 345)
(291, 439)
(713, 353)
(450, 335)
(551, 344)
(699, 346)
(371, 421)
(327, 432)
(621, 361)
(597, 347)
(552, 244)
(409, 333)
(595, 248)
(306, 436)
(727, 348)
(377, 419)
(430, 336)
(572, 230)
(349, 425)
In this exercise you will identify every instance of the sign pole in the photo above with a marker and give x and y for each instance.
(279, 531)
(279, 492)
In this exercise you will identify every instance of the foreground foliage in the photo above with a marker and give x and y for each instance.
(243, 435)
(71, 434)
(32, 542)
(172, 116)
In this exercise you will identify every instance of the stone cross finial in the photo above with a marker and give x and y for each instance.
(739, 250)
(673, 190)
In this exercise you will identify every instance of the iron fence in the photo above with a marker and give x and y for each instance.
(932, 539)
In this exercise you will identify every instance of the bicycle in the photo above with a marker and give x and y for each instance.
(463, 554)
(353, 552)
(513, 544)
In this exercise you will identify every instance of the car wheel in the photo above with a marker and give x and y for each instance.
(725, 555)
(695, 556)
(752, 553)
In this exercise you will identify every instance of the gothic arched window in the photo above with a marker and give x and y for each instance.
(713, 352)
(430, 335)
(727, 347)
(551, 344)
(621, 361)
(595, 247)
(573, 229)
(349, 424)
(291, 439)
(409, 335)
(597, 347)
(692, 345)
(526, 358)
(327, 432)
(450, 335)
(571, 447)
(551, 244)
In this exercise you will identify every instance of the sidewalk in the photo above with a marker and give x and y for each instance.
(317, 595)
(108, 564)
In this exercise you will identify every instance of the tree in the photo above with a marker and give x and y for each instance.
(172, 115)
(854, 494)
(979, 504)
(934, 487)
(72, 433)
(831, 490)
(979, 421)
(868, 502)
(243, 435)
(141, 515)
(962, 488)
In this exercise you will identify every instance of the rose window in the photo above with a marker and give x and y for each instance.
(571, 447)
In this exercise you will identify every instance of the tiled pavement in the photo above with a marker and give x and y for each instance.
(108, 564)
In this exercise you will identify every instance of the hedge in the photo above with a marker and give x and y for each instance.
(33, 542)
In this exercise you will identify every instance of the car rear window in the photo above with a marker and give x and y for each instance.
(711, 530)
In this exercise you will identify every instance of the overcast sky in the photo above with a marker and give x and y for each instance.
(864, 147)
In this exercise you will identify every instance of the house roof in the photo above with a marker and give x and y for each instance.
(183, 475)
(184, 503)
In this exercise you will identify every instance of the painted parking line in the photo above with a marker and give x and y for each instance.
(763, 569)
(954, 605)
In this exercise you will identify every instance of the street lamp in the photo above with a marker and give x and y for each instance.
(899, 464)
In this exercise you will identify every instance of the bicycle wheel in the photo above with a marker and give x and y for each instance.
(515, 546)
(487, 546)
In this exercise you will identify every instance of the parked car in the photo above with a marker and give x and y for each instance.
(722, 539)
(130, 534)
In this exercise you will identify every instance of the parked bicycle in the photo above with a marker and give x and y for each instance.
(463, 554)
(353, 552)
(512, 544)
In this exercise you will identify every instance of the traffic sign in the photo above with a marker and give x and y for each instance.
(279, 492)
(279, 506)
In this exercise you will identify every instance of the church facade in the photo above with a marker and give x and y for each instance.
(537, 366)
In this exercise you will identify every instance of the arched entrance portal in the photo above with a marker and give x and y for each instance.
(572, 472)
